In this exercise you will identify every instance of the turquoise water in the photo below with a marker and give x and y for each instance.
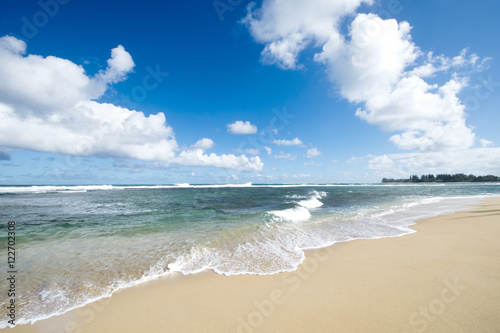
(76, 244)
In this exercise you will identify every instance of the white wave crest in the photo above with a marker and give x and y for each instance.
(313, 201)
(51, 188)
(292, 214)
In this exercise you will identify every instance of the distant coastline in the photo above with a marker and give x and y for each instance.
(444, 178)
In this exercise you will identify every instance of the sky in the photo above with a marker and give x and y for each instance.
(234, 91)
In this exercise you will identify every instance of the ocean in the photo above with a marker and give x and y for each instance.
(77, 244)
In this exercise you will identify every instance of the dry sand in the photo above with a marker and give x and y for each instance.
(443, 278)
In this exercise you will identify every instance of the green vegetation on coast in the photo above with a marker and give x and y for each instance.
(444, 178)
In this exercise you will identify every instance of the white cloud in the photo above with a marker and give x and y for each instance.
(268, 150)
(478, 161)
(284, 156)
(371, 68)
(313, 152)
(293, 142)
(429, 117)
(204, 144)
(376, 64)
(287, 27)
(196, 157)
(49, 104)
(90, 128)
(371, 61)
(240, 127)
(119, 65)
(34, 84)
(435, 64)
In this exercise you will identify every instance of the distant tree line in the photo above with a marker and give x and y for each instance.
(445, 178)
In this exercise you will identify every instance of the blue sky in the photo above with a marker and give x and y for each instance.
(208, 92)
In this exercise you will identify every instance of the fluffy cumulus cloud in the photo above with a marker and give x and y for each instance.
(288, 27)
(240, 127)
(119, 64)
(374, 64)
(49, 104)
(204, 144)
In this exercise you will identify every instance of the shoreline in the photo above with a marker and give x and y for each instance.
(347, 285)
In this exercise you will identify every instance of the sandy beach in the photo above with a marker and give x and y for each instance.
(443, 278)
